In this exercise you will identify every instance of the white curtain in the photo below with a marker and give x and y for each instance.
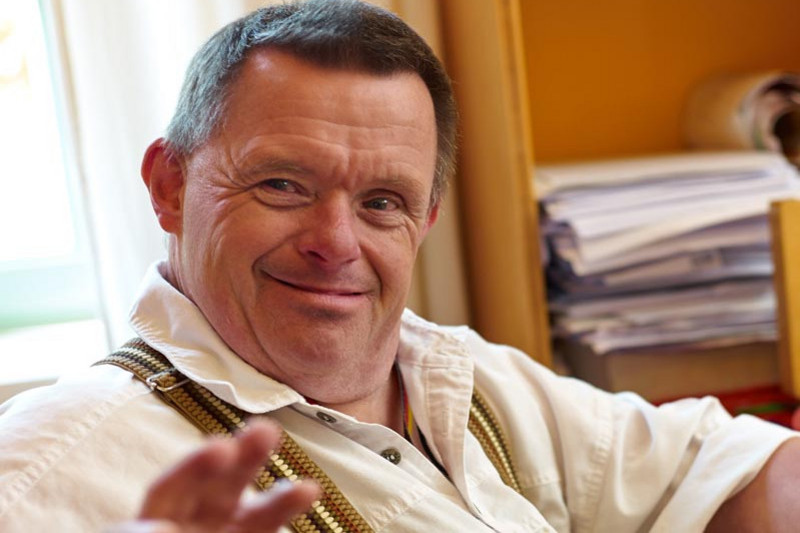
(124, 61)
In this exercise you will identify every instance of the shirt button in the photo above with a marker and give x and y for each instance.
(391, 455)
(325, 417)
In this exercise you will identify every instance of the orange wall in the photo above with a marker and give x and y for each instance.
(609, 78)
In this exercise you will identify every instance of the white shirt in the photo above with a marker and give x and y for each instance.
(79, 455)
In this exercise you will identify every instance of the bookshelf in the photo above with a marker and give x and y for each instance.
(544, 82)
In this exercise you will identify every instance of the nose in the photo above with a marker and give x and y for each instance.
(329, 237)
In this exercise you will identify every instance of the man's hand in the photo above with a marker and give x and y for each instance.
(202, 494)
(769, 502)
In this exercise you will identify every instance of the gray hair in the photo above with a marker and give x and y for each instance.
(328, 33)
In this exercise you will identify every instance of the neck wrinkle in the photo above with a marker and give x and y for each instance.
(381, 407)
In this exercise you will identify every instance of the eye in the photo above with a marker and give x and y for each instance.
(281, 192)
(280, 184)
(381, 204)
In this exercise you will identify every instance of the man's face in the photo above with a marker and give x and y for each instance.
(301, 220)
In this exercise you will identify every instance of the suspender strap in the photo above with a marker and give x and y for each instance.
(483, 425)
(333, 512)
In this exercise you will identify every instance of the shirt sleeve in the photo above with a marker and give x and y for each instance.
(628, 465)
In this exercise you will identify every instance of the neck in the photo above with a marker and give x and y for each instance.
(381, 407)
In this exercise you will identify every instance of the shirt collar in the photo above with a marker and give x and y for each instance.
(172, 324)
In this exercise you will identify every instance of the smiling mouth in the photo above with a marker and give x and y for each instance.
(319, 290)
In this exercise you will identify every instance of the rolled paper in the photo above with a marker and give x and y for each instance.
(745, 111)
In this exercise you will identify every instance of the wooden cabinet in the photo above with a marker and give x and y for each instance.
(543, 81)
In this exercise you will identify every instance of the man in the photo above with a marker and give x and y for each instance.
(302, 170)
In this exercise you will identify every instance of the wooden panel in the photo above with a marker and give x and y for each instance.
(610, 78)
(785, 225)
(667, 373)
(484, 56)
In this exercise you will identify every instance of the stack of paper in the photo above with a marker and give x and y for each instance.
(664, 250)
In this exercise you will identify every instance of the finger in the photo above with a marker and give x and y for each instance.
(207, 484)
(222, 493)
(176, 494)
(277, 506)
(255, 444)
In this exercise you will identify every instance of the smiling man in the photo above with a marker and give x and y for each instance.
(294, 228)
(301, 172)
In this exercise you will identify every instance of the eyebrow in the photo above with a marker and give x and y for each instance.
(396, 182)
(273, 165)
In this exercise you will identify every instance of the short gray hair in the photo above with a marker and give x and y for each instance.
(328, 33)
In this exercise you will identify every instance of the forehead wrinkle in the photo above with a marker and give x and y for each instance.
(366, 126)
(341, 158)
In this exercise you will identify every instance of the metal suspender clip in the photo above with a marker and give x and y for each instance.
(154, 381)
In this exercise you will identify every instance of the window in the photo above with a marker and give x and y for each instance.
(48, 296)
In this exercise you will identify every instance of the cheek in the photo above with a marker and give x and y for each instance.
(200, 216)
(217, 248)
(246, 237)
(393, 260)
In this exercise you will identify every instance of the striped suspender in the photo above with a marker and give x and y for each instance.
(331, 513)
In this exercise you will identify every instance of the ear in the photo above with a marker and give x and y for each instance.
(164, 177)
(433, 215)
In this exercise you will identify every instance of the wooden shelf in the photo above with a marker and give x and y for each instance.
(610, 78)
(542, 82)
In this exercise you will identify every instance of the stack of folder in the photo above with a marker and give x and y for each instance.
(662, 253)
